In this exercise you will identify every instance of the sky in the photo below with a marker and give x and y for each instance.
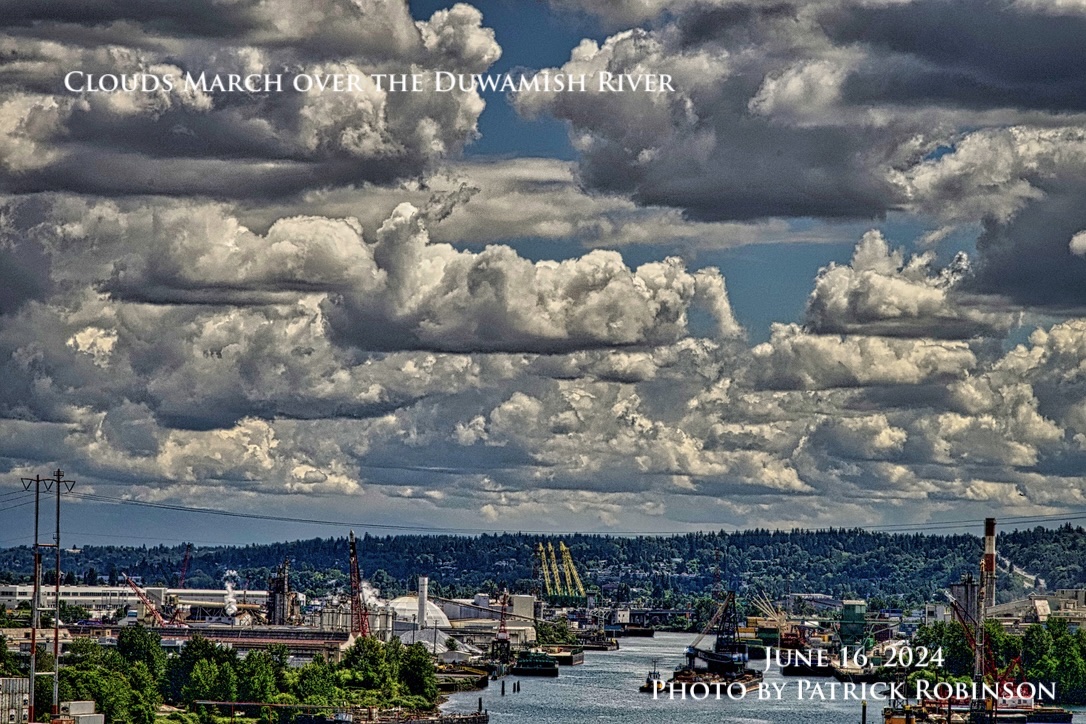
(835, 277)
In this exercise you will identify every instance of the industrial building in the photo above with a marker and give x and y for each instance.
(255, 620)
(474, 621)
(104, 600)
(15, 700)
(1065, 603)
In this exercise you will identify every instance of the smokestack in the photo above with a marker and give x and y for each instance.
(989, 562)
(424, 588)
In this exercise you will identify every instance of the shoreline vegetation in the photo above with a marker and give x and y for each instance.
(132, 681)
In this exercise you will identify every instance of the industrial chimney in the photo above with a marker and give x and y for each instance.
(424, 587)
(989, 581)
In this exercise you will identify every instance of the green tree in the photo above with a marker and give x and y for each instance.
(145, 695)
(7, 659)
(108, 688)
(202, 682)
(554, 632)
(70, 613)
(226, 683)
(179, 669)
(1070, 672)
(140, 644)
(280, 658)
(1004, 646)
(958, 658)
(316, 683)
(257, 677)
(371, 663)
(417, 672)
(1036, 645)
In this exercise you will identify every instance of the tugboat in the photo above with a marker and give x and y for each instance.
(653, 682)
(535, 663)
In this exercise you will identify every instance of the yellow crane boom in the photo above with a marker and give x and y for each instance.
(554, 571)
(548, 589)
(573, 579)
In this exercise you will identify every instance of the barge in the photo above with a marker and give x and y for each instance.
(535, 663)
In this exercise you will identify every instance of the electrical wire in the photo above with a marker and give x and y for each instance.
(893, 528)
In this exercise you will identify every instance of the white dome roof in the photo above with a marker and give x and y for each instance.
(406, 608)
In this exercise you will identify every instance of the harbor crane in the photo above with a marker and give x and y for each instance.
(501, 646)
(147, 603)
(990, 668)
(573, 579)
(559, 588)
(185, 566)
(548, 588)
(559, 579)
(360, 615)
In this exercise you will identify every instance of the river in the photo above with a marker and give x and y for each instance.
(604, 689)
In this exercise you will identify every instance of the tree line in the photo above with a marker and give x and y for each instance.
(656, 569)
(130, 681)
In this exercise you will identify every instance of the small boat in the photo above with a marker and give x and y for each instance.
(653, 682)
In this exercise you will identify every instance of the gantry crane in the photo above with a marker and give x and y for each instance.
(573, 579)
(559, 579)
(559, 589)
(548, 589)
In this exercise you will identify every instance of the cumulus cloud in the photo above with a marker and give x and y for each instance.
(837, 109)
(882, 293)
(430, 296)
(699, 148)
(601, 424)
(311, 294)
(868, 437)
(483, 200)
(394, 290)
(794, 359)
(233, 145)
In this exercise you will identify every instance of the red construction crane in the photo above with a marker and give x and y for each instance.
(360, 614)
(991, 670)
(503, 631)
(501, 647)
(185, 566)
(159, 621)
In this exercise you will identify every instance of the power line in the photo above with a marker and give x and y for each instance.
(892, 528)
(940, 525)
(6, 508)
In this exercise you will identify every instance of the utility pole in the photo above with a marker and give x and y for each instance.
(54, 484)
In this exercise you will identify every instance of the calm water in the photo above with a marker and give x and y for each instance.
(604, 689)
